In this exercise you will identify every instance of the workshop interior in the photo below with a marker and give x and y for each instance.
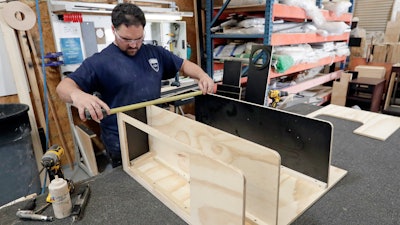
(301, 127)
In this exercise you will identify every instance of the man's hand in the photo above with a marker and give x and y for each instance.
(91, 104)
(206, 84)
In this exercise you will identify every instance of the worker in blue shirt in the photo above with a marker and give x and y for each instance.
(125, 72)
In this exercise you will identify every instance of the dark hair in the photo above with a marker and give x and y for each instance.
(128, 14)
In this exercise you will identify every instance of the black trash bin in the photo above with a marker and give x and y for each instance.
(19, 174)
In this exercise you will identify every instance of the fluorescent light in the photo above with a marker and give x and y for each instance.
(162, 17)
(151, 13)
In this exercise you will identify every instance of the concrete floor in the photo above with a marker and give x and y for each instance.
(78, 173)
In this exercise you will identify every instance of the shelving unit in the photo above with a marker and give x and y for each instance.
(274, 11)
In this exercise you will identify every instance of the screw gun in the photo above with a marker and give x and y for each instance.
(51, 160)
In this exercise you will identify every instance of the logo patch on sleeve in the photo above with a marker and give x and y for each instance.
(154, 64)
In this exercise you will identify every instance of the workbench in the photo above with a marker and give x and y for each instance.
(368, 194)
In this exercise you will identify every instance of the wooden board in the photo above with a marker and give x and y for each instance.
(393, 53)
(379, 53)
(303, 143)
(297, 194)
(389, 92)
(84, 140)
(371, 71)
(375, 125)
(339, 89)
(217, 192)
(392, 32)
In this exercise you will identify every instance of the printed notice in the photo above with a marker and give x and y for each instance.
(72, 50)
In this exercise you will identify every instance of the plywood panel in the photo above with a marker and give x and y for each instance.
(392, 32)
(297, 193)
(393, 54)
(339, 89)
(379, 53)
(217, 192)
(375, 125)
(371, 71)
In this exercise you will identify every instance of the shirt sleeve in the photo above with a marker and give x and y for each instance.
(84, 77)
(172, 63)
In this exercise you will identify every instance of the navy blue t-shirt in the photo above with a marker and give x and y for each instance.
(123, 80)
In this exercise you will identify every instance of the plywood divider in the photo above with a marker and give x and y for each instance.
(339, 89)
(84, 140)
(217, 191)
(193, 168)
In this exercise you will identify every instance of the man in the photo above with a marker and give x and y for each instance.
(124, 73)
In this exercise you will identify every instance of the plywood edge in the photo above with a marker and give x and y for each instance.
(298, 195)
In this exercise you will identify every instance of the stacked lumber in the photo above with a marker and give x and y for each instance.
(389, 50)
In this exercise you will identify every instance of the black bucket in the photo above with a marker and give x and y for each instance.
(18, 170)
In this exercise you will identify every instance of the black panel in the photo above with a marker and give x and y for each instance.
(257, 75)
(138, 143)
(232, 73)
(303, 143)
(354, 42)
(229, 91)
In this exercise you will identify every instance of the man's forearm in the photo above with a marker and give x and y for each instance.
(65, 89)
(192, 70)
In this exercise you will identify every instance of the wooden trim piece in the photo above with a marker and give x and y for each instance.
(23, 41)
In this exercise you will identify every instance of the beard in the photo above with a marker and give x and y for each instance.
(131, 51)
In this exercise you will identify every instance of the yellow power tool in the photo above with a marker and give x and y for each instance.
(275, 96)
(51, 160)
